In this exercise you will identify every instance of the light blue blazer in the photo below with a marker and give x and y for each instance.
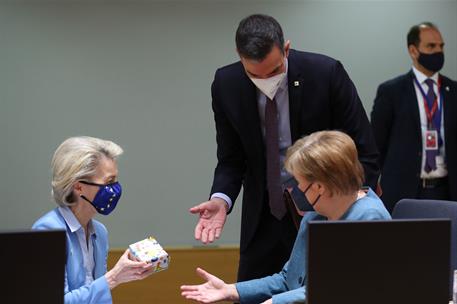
(288, 286)
(75, 290)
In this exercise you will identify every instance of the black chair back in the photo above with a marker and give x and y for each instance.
(415, 209)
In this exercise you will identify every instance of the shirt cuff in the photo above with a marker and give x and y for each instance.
(227, 199)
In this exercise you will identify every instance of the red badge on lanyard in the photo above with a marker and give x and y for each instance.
(431, 140)
(431, 134)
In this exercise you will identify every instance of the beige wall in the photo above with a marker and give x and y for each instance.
(139, 73)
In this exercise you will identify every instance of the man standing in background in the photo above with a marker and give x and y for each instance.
(262, 104)
(414, 120)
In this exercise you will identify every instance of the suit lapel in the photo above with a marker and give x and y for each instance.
(249, 108)
(296, 95)
(447, 106)
(410, 93)
(98, 258)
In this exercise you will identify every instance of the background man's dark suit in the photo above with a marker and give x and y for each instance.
(396, 126)
(321, 96)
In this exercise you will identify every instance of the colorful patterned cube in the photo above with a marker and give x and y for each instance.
(149, 250)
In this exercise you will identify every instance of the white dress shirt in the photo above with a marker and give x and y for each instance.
(441, 168)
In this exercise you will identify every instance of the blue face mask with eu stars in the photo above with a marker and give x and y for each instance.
(106, 198)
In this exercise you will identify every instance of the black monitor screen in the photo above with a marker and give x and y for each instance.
(33, 266)
(378, 262)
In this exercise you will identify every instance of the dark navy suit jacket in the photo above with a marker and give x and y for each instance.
(321, 97)
(396, 126)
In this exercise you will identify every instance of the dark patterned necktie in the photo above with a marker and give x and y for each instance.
(430, 155)
(277, 207)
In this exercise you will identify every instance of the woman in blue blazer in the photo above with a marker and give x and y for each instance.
(326, 166)
(84, 183)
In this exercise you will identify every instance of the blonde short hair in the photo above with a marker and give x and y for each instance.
(77, 159)
(329, 157)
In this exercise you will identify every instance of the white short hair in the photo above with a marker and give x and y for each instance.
(77, 159)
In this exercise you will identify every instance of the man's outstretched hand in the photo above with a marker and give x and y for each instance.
(213, 214)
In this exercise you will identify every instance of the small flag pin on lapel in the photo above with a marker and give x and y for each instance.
(447, 89)
(297, 83)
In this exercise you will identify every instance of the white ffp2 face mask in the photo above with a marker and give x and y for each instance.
(269, 86)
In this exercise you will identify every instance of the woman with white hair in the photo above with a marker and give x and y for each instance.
(84, 183)
(328, 172)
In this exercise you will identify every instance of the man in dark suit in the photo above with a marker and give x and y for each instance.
(414, 120)
(262, 104)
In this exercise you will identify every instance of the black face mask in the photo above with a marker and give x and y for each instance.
(317, 198)
(432, 62)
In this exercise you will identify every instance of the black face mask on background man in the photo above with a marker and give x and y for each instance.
(432, 62)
